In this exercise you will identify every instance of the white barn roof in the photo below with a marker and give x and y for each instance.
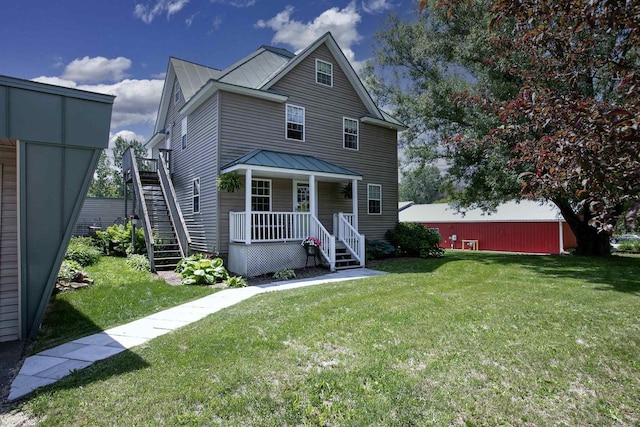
(523, 211)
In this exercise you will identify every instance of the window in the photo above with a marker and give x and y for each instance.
(196, 195)
(350, 133)
(295, 122)
(184, 133)
(324, 73)
(261, 195)
(176, 92)
(374, 197)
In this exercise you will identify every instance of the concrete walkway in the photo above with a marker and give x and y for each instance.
(50, 365)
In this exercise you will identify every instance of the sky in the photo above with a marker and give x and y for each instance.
(122, 47)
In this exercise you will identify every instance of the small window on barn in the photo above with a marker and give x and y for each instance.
(324, 73)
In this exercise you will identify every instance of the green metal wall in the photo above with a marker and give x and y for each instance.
(60, 133)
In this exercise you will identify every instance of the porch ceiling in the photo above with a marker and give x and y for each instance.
(293, 166)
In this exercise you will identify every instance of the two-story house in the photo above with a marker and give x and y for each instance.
(314, 154)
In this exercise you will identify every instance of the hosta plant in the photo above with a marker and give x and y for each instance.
(196, 270)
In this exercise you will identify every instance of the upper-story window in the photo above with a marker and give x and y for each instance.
(324, 72)
(196, 195)
(183, 132)
(350, 132)
(261, 195)
(374, 198)
(176, 92)
(295, 122)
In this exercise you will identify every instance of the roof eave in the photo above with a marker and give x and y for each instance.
(382, 123)
(212, 86)
(286, 171)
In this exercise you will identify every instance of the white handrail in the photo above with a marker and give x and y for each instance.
(327, 242)
(354, 241)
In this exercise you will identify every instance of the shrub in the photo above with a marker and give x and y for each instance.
(68, 270)
(235, 282)
(284, 274)
(629, 245)
(116, 240)
(138, 262)
(82, 251)
(379, 249)
(198, 270)
(414, 239)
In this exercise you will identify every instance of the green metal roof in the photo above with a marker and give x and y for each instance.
(297, 162)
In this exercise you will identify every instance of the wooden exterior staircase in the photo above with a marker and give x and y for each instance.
(154, 202)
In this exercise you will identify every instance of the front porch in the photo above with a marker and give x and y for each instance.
(273, 240)
(262, 240)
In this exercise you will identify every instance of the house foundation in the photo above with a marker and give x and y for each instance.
(262, 258)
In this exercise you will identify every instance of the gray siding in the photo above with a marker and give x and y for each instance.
(99, 212)
(198, 160)
(247, 124)
(8, 246)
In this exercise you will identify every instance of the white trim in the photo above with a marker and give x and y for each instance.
(183, 133)
(286, 122)
(561, 236)
(369, 186)
(212, 86)
(344, 133)
(382, 123)
(257, 195)
(194, 195)
(297, 182)
(284, 171)
(323, 73)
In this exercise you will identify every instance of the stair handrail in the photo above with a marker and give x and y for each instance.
(327, 241)
(354, 241)
(169, 193)
(137, 191)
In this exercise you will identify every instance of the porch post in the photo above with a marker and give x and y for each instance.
(312, 196)
(247, 206)
(354, 202)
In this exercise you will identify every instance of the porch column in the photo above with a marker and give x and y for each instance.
(312, 196)
(247, 207)
(354, 202)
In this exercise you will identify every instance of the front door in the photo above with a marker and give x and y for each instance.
(301, 204)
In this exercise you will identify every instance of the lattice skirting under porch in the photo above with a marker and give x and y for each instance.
(261, 258)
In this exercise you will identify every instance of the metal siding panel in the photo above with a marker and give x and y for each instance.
(4, 114)
(83, 120)
(532, 237)
(35, 116)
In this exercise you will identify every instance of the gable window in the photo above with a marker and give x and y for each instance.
(176, 92)
(196, 195)
(324, 73)
(261, 195)
(374, 198)
(183, 131)
(350, 127)
(295, 122)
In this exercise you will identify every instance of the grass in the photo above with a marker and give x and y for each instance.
(119, 295)
(469, 339)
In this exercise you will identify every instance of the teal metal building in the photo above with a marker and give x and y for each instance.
(50, 141)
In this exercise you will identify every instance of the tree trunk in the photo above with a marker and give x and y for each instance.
(591, 241)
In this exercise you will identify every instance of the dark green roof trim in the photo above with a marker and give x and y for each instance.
(55, 90)
(296, 162)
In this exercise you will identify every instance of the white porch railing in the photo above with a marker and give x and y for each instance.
(328, 242)
(348, 235)
(269, 226)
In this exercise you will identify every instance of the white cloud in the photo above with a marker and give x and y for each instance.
(236, 3)
(129, 135)
(149, 12)
(216, 22)
(136, 100)
(341, 23)
(375, 6)
(97, 69)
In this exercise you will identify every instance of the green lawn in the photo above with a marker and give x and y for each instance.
(469, 339)
(120, 295)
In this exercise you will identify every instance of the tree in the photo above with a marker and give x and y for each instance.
(102, 184)
(107, 180)
(550, 109)
(423, 185)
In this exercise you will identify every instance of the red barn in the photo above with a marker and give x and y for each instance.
(529, 227)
